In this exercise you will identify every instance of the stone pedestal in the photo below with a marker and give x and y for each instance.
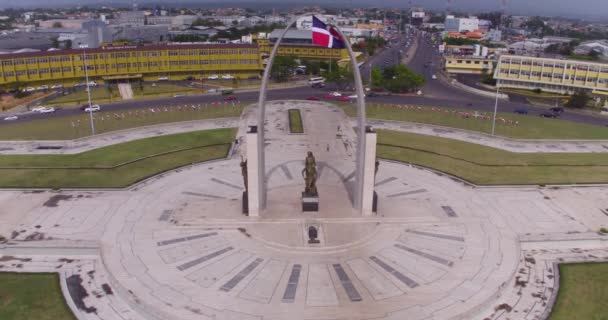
(368, 205)
(310, 203)
(245, 203)
(253, 174)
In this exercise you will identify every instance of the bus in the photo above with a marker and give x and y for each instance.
(317, 82)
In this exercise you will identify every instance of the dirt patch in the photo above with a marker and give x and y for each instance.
(106, 288)
(78, 293)
(11, 258)
(36, 236)
(54, 200)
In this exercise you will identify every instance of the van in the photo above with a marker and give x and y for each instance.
(317, 82)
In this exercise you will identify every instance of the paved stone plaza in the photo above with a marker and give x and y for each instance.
(176, 246)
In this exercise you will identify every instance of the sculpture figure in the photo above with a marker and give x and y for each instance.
(244, 172)
(309, 173)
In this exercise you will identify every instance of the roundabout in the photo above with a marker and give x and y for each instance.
(177, 245)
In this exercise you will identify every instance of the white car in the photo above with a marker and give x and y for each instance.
(336, 94)
(92, 84)
(47, 110)
(163, 78)
(92, 108)
(43, 87)
(57, 86)
(354, 96)
(434, 77)
(29, 89)
(11, 118)
(213, 77)
(227, 77)
(37, 109)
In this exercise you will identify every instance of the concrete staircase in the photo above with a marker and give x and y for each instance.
(126, 91)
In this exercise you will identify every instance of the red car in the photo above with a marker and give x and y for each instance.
(229, 98)
(313, 98)
(329, 97)
(345, 99)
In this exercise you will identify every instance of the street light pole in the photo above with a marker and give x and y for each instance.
(86, 74)
(495, 107)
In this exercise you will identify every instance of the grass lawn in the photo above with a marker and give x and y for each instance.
(61, 128)
(483, 165)
(529, 127)
(115, 166)
(532, 93)
(583, 292)
(100, 95)
(32, 296)
(295, 121)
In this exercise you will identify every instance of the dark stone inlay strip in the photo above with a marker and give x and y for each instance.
(437, 259)
(286, 172)
(350, 176)
(449, 211)
(226, 183)
(165, 215)
(241, 275)
(407, 193)
(403, 278)
(189, 238)
(292, 285)
(200, 260)
(437, 235)
(198, 194)
(349, 287)
(385, 181)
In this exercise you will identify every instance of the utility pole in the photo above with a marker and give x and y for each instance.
(495, 107)
(86, 74)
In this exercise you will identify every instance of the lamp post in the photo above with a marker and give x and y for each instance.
(86, 74)
(495, 107)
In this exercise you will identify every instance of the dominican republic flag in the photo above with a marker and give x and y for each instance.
(323, 35)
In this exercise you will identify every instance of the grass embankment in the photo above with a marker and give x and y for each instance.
(535, 94)
(529, 127)
(583, 292)
(72, 127)
(295, 121)
(32, 296)
(483, 165)
(100, 95)
(114, 166)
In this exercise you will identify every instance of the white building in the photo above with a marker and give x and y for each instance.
(599, 46)
(453, 24)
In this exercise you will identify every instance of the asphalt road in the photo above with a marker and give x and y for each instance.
(435, 93)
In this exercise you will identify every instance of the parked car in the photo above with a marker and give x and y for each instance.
(92, 83)
(313, 98)
(434, 77)
(336, 94)
(229, 98)
(163, 78)
(344, 99)
(11, 118)
(43, 87)
(354, 96)
(329, 96)
(37, 109)
(521, 111)
(57, 86)
(227, 77)
(372, 95)
(29, 89)
(558, 110)
(213, 77)
(549, 114)
(93, 108)
(47, 110)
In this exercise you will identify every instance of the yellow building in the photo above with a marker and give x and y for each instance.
(176, 62)
(554, 75)
(302, 51)
(468, 64)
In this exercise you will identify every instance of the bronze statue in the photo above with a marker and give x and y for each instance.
(309, 173)
(244, 172)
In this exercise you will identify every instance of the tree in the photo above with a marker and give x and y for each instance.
(341, 77)
(282, 68)
(578, 100)
(55, 42)
(397, 78)
(57, 24)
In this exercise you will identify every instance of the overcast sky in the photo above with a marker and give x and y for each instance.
(575, 8)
